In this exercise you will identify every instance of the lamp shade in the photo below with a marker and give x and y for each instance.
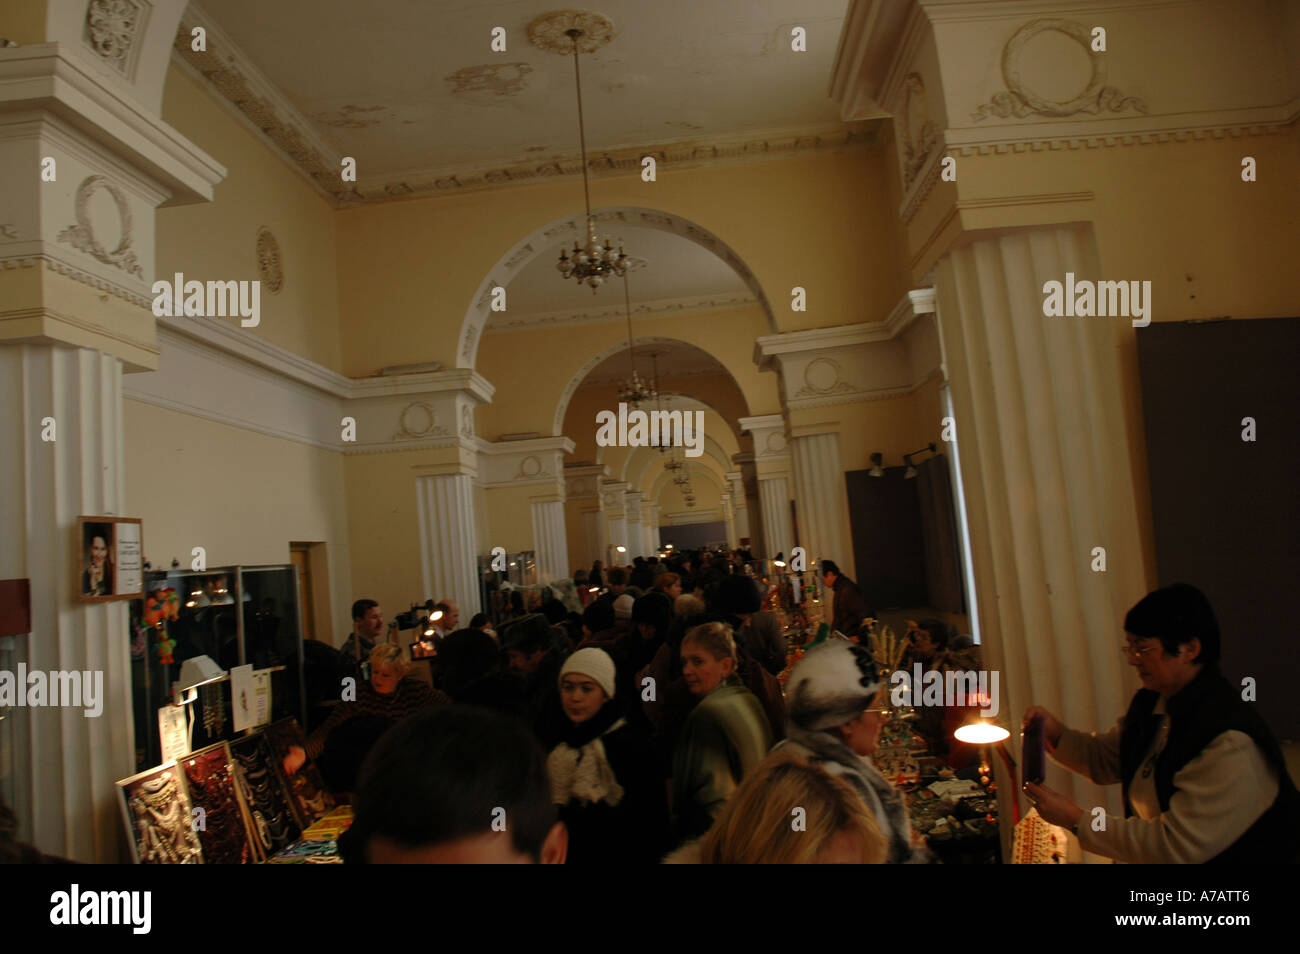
(198, 671)
(980, 733)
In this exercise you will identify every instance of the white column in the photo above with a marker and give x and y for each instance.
(632, 524)
(822, 500)
(650, 528)
(1047, 471)
(611, 495)
(447, 534)
(550, 540)
(593, 537)
(778, 534)
(739, 505)
(729, 520)
(64, 765)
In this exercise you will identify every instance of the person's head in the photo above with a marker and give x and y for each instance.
(455, 785)
(929, 637)
(586, 683)
(598, 617)
(787, 811)
(836, 688)
(652, 614)
(98, 550)
(579, 577)
(554, 612)
(465, 657)
(688, 605)
(1171, 633)
(738, 596)
(480, 621)
(450, 615)
(669, 584)
(387, 667)
(708, 657)
(830, 572)
(525, 640)
(367, 618)
(623, 606)
(616, 579)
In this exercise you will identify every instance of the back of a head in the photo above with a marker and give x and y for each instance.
(738, 595)
(527, 634)
(617, 576)
(438, 776)
(654, 609)
(466, 656)
(787, 811)
(938, 631)
(599, 616)
(554, 611)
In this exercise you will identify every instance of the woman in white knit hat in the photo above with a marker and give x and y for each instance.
(836, 703)
(603, 774)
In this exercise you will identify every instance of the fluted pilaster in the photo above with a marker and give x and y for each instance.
(64, 765)
(448, 557)
(774, 495)
(822, 501)
(550, 540)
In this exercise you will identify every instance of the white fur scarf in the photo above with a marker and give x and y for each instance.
(583, 773)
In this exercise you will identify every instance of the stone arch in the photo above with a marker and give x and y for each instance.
(542, 240)
(562, 406)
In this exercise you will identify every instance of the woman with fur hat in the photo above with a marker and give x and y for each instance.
(603, 777)
(836, 701)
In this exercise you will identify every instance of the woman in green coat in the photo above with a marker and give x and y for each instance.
(726, 735)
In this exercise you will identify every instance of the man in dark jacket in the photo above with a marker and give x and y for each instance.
(850, 608)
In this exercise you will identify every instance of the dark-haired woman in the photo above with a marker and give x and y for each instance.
(603, 777)
(1203, 777)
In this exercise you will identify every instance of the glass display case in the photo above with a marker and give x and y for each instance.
(237, 615)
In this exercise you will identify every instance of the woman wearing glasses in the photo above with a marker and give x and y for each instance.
(836, 702)
(1203, 776)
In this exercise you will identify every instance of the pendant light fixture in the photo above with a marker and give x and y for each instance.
(633, 391)
(595, 262)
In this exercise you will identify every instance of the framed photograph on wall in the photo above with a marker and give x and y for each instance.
(110, 559)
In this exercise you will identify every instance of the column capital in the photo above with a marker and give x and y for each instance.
(582, 481)
(537, 461)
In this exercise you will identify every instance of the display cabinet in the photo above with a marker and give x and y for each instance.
(237, 615)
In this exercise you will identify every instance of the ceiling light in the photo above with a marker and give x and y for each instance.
(594, 263)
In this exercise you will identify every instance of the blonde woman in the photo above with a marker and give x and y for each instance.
(789, 811)
(355, 724)
(726, 735)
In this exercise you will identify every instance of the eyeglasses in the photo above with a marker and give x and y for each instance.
(1131, 651)
(877, 710)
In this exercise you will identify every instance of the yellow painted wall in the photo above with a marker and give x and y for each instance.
(526, 400)
(217, 240)
(24, 21)
(510, 517)
(240, 495)
(384, 529)
(821, 222)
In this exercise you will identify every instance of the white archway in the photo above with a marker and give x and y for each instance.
(544, 239)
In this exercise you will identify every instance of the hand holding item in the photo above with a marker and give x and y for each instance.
(1054, 807)
(294, 760)
(1052, 726)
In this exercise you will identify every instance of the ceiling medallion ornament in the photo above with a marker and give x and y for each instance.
(1021, 101)
(594, 263)
(269, 265)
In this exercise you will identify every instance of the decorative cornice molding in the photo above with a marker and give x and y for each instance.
(76, 321)
(659, 308)
(24, 256)
(236, 80)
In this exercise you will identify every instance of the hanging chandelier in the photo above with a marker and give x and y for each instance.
(659, 443)
(594, 263)
(633, 391)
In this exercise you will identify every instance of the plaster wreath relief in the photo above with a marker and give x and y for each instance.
(82, 235)
(111, 29)
(418, 420)
(1021, 101)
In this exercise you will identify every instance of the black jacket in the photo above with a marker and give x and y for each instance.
(1207, 707)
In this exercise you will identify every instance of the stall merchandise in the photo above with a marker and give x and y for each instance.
(308, 797)
(158, 819)
(224, 830)
(263, 792)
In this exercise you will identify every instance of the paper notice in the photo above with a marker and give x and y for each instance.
(242, 694)
(173, 732)
(262, 697)
(130, 574)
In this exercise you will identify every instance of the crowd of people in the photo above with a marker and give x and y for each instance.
(652, 727)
